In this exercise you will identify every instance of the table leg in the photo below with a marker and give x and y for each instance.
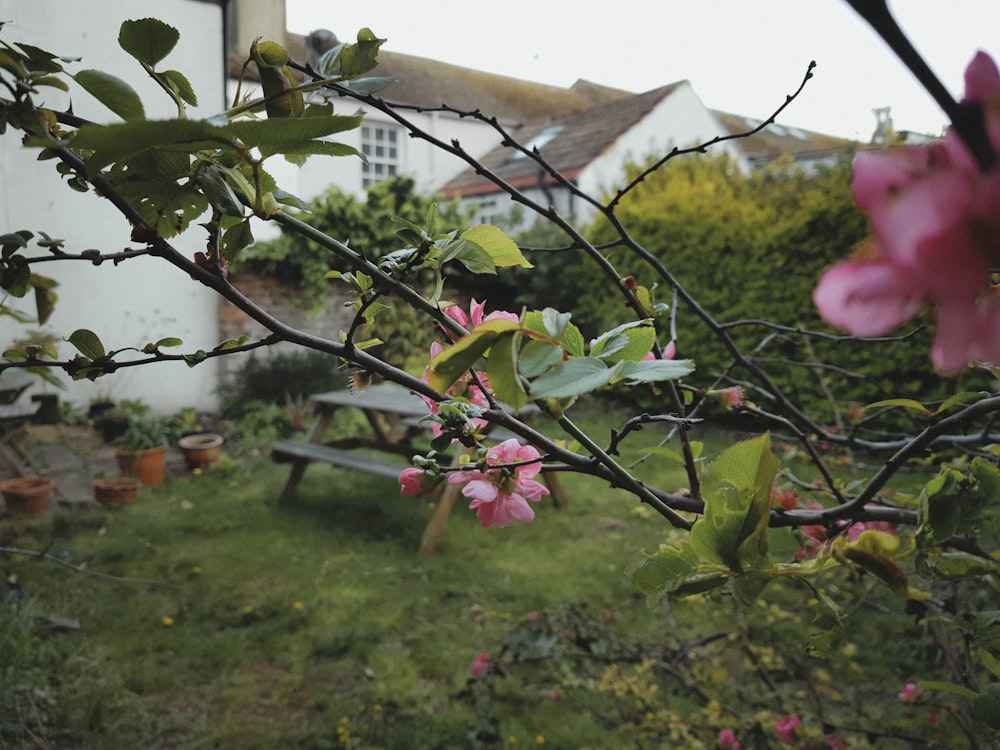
(435, 529)
(288, 492)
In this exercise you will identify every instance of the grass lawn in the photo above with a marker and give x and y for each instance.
(318, 626)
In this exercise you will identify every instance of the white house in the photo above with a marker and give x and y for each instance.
(141, 300)
(587, 131)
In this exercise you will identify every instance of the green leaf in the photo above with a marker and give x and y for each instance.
(631, 341)
(672, 571)
(656, 370)
(236, 238)
(947, 687)
(737, 494)
(940, 508)
(907, 403)
(177, 82)
(113, 93)
(469, 254)
(501, 248)
(369, 85)
(572, 378)
(87, 343)
(274, 136)
(112, 143)
(986, 707)
(358, 59)
(989, 661)
(955, 566)
(454, 361)
(502, 370)
(148, 40)
(557, 325)
(537, 356)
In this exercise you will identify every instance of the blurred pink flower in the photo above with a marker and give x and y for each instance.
(727, 740)
(731, 398)
(481, 665)
(910, 692)
(413, 481)
(786, 728)
(501, 495)
(936, 224)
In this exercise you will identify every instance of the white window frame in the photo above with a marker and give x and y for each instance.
(382, 145)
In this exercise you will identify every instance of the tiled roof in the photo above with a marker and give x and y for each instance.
(429, 83)
(584, 137)
(778, 140)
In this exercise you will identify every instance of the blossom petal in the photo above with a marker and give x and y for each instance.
(866, 299)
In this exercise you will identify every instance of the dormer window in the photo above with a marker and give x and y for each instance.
(539, 140)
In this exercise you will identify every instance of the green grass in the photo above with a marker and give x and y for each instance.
(317, 625)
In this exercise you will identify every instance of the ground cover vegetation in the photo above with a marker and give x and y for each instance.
(783, 517)
(238, 624)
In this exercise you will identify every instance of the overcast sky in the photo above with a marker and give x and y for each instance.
(740, 56)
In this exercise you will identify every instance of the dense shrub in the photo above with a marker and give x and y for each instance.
(749, 248)
(282, 379)
(368, 227)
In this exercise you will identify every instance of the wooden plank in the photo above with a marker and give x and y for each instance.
(303, 452)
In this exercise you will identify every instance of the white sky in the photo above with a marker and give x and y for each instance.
(741, 56)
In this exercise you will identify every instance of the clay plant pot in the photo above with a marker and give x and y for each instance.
(201, 450)
(112, 492)
(27, 496)
(148, 466)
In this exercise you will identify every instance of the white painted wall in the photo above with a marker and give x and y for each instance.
(145, 299)
(680, 119)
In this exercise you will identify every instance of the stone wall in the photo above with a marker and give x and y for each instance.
(279, 300)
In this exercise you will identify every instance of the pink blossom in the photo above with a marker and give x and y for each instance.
(457, 314)
(856, 529)
(669, 352)
(460, 389)
(786, 728)
(413, 481)
(727, 740)
(501, 495)
(481, 665)
(936, 224)
(731, 398)
(910, 692)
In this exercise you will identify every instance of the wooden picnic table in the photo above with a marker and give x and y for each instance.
(392, 414)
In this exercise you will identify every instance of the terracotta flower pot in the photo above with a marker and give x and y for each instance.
(149, 466)
(114, 491)
(27, 496)
(202, 450)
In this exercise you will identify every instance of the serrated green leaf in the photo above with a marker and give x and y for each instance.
(113, 143)
(537, 356)
(113, 93)
(369, 85)
(502, 370)
(358, 59)
(87, 343)
(469, 254)
(631, 341)
(274, 136)
(989, 661)
(501, 248)
(235, 239)
(454, 361)
(148, 40)
(672, 571)
(177, 82)
(907, 403)
(737, 494)
(656, 370)
(573, 377)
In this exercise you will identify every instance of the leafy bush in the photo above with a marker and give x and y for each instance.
(283, 379)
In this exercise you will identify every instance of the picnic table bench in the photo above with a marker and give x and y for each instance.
(392, 414)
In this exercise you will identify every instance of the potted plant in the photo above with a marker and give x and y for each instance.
(27, 496)
(142, 449)
(201, 450)
(112, 492)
